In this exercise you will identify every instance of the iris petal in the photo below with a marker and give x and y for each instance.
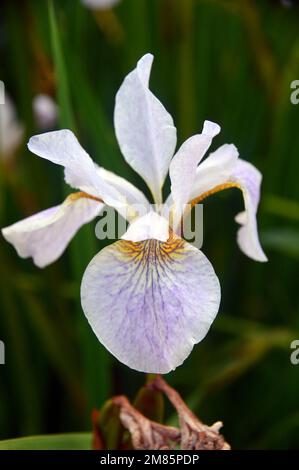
(183, 166)
(224, 168)
(44, 236)
(144, 129)
(150, 302)
(62, 147)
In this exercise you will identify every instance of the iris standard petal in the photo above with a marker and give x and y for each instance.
(62, 147)
(183, 166)
(144, 129)
(150, 302)
(44, 236)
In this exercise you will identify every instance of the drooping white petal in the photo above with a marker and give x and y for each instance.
(149, 226)
(44, 236)
(183, 166)
(149, 303)
(99, 4)
(62, 147)
(45, 110)
(249, 178)
(223, 167)
(11, 130)
(144, 129)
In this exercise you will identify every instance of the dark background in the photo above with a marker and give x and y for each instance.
(228, 61)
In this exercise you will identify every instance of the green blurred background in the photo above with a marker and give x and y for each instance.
(228, 61)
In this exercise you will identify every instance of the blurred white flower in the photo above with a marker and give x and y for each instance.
(45, 111)
(99, 4)
(11, 130)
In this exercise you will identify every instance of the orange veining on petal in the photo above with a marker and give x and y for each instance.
(82, 194)
(149, 250)
(216, 189)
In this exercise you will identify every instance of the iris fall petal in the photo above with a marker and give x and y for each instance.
(44, 236)
(150, 302)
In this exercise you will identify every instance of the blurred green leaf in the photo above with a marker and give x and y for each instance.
(281, 207)
(282, 240)
(72, 441)
(64, 99)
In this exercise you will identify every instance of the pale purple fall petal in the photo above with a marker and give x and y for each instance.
(44, 236)
(150, 302)
(144, 129)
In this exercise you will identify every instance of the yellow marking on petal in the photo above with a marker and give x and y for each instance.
(149, 250)
(201, 197)
(215, 190)
(82, 194)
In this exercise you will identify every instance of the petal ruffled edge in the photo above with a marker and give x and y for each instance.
(148, 303)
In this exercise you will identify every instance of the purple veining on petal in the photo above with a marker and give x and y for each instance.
(150, 302)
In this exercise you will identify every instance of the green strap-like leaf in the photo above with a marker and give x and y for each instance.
(74, 441)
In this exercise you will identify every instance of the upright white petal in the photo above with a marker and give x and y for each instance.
(11, 130)
(144, 129)
(44, 236)
(62, 147)
(45, 111)
(148, 303)
(183, 166)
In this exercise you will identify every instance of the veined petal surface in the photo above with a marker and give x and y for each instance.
(144, 129)
(45, 235)
(150, 302)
